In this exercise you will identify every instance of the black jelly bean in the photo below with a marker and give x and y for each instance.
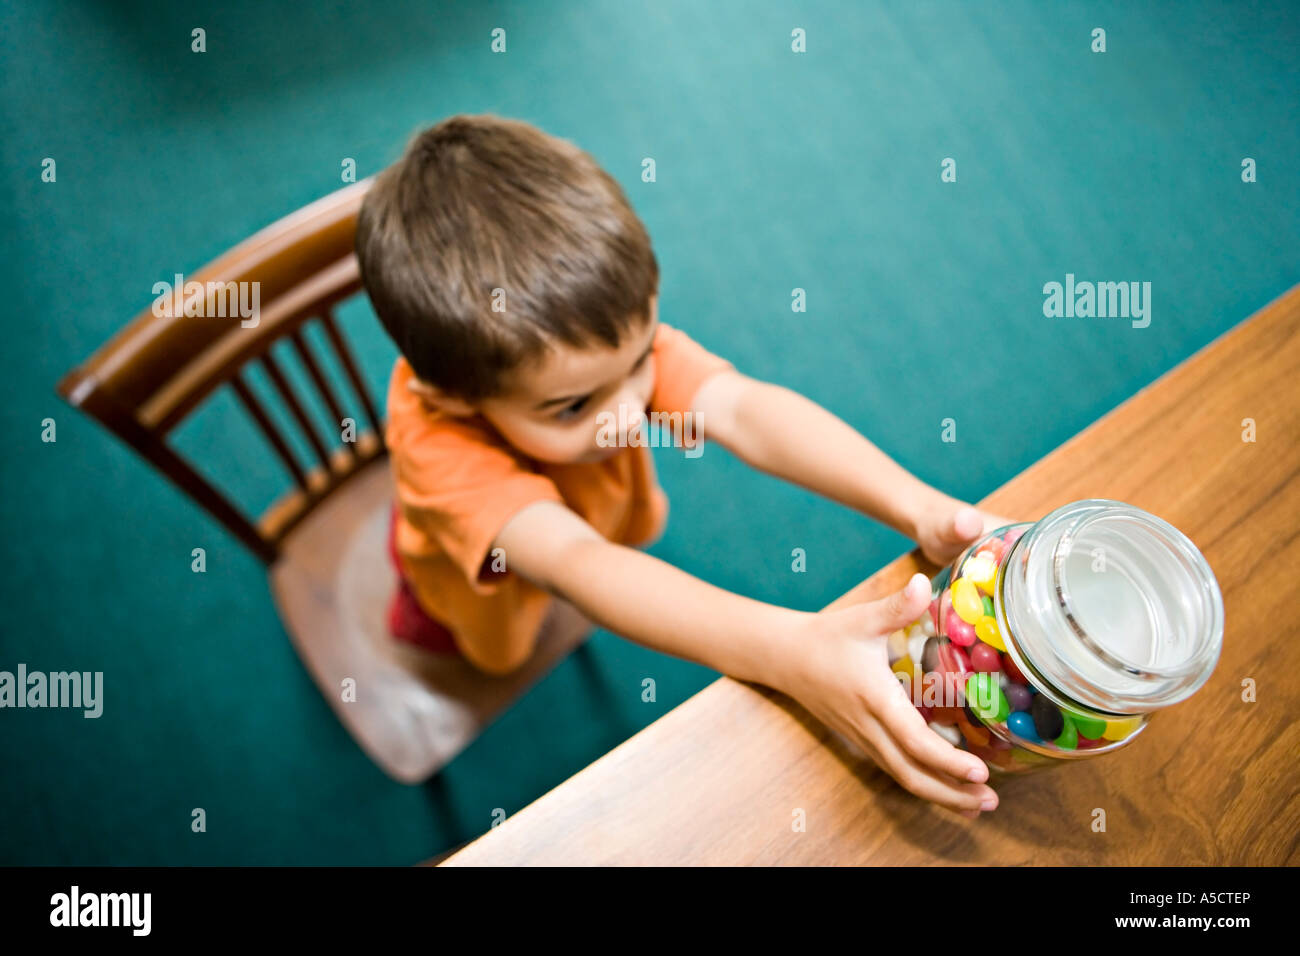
(1047, 718)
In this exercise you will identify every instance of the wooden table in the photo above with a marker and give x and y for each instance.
(1211, 781)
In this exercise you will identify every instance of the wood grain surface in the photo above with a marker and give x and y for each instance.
(1212, 780)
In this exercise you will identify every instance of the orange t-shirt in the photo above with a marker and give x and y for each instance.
(459, 482)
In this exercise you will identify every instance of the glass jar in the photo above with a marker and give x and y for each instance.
(1056, 640)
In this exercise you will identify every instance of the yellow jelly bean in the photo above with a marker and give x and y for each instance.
(1119, 729)
(903, 666)
(982, 570)
(986, 629)
(966, 600)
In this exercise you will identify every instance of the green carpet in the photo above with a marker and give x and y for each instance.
(775, 171)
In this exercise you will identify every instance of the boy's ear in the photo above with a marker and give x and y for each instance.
(457, 408)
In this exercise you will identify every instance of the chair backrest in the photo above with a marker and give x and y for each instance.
(152, 374)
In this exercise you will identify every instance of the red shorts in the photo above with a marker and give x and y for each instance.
(407, 621)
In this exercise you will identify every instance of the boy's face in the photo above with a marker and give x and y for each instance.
(553, 409)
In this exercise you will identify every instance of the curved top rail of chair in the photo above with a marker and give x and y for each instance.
(158, 367)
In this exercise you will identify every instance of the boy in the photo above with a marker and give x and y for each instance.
(522, 292)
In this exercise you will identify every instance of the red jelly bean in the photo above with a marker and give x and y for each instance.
(955, 666)
(985, 659)
(1012, 670)
(957, 630)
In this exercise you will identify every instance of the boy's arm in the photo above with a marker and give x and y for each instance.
(779, 431)
(833, 662)
(650, 601)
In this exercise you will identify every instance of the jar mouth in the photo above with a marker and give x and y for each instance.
(1154, 618)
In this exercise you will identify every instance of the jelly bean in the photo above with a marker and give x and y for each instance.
(983, 571)
(986, 629)
(950, 734)
(916, 647)
(985, 697)
(1047, 718)
(1086, 744)
(904, 666)
(1069, 738)
(1022, 725)
(896, 646)
(998, 547)
(1012, 536)
(966, 600)
(1119, 729)
(958, 631)
(947, 715)
(984, 658)
(1090, 727)
(928, 627)
(975, 734)
(988, 606)
(934, 611)
(930, 655)
(926, 713)
(1012, 671)
(955, 666)
(1018, 697)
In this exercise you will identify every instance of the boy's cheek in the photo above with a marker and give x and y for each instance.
(555, 445)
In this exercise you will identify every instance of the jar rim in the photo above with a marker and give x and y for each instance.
(1193, 662)
(1041, 585)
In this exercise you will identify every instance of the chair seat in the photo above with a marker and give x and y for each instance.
(414, 710)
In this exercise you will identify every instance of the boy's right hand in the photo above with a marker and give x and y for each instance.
(844, 679)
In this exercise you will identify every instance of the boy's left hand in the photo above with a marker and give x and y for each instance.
(945, 528)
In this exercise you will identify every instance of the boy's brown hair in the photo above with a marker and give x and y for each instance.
(481, 203)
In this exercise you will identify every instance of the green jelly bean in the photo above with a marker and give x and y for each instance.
(988, 606)
(1069, 739)
(985, 697)
(1090, 728)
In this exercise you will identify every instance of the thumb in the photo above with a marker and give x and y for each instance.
(966, 523)
(901, 608)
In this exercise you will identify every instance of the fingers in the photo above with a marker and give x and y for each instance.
(903, 722)
(927, 783)
(900, 608)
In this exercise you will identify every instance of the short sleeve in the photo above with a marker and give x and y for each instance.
(458, 484)
(681, 366)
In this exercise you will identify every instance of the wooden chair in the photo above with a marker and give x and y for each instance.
(325, 540)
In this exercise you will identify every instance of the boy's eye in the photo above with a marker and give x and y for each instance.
(568, 411)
